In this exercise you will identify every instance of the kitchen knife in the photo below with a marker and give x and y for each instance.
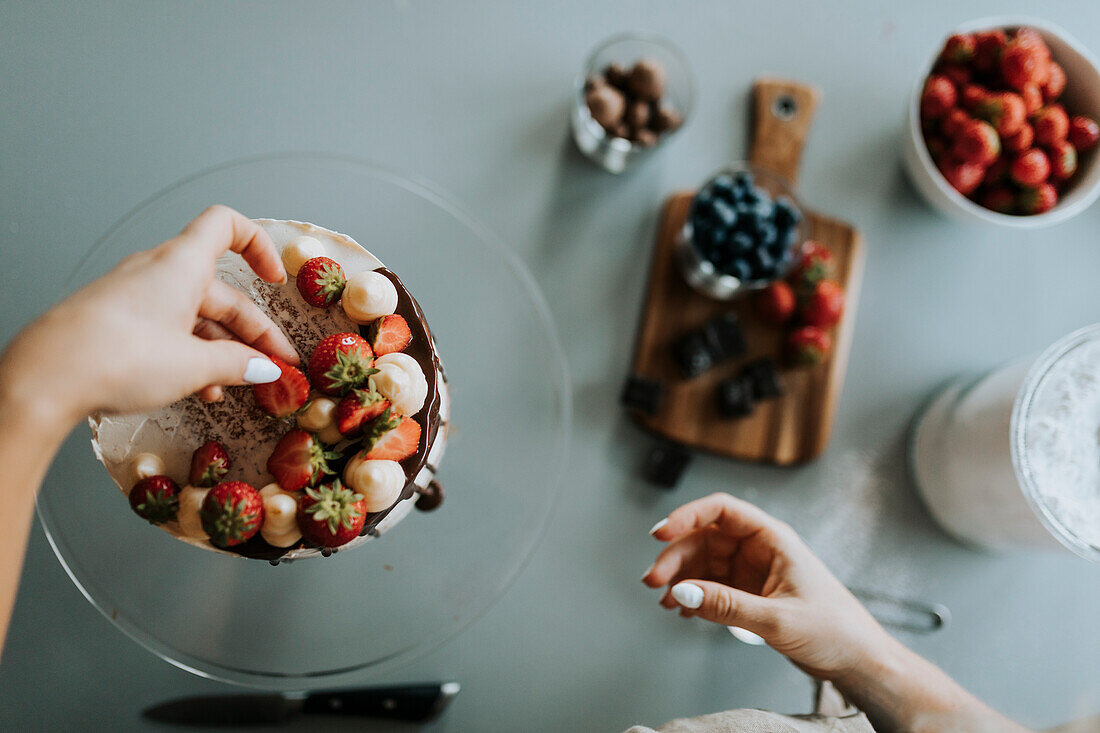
(415, 703)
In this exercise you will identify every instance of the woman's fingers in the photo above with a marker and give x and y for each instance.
(734, 517)
(227, 362)
(224, 304)
(728, 606)
(211, 393)
(221, 228)
(673, 558)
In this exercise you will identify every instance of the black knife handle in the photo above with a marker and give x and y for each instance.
(416, 703)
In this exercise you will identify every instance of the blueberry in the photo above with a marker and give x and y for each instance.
(741, 270)
(724, 213)
(742, 242)
(735, 398)
(766, 234)
(763, 264)
(763, 376)
(752, 196)
(643, 395)
(749, 221)
(725, 336)
(786, 212)
(742, 180)
(693, 354)
(666, 463)
(765, 210)
(722, 186)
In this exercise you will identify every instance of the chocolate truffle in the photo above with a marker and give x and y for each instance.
(647, 79)
(606, 105)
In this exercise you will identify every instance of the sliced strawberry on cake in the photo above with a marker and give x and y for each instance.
(286, 395)
(389, 335)
(299, 460)
(391, 437)
(358, 407)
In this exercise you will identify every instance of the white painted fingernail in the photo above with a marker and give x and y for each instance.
(654, 528)
(261, 371)
(688, 595)
(648, 571)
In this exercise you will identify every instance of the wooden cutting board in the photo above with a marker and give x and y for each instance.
(794, 428)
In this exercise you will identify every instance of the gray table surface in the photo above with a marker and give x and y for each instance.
(101, 106)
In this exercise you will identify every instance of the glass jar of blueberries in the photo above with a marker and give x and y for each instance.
(742, 232)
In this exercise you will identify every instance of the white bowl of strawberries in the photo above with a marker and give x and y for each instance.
(1002, 127)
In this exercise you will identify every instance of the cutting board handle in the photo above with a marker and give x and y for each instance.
(782, 113)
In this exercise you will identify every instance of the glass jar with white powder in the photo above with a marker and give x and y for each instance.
(1012, 460)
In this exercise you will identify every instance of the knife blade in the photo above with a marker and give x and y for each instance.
(415, 703)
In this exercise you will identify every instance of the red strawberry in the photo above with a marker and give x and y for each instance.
(232, 513)
(977, 142)
(824, 306)
(1051, 125)
(1083, 133)
(1004, 110)
(1055, 83)
(299, 459)
(1063, 160)
(815, 263)
(776, 303)
(1038, 200)
(391, 437)
(1031, 168)
(953, 121)
(209, 464)
(997, 173)
(1021, 141)
(1032, 40)
(331, 515)
(359, 406)
(1022, 64)
(809, 345)
(389, 334)
(938, 148)
(321, 281)
(999, 199)
(989, 45)
(972, 95)
(155, 499)
(959, 75)
(285, 395)
(963, 177)
(959, 49)
(341, 362)
(938, 96)
(1033, 98)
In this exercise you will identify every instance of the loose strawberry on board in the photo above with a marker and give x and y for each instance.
(358, 407)
(321, 281)
(1031, 168)
(299, 460)
(1063, 160)
(232, 513)
(286, 395)
(1038, 200)
(776, 303)
(977, 142)
(390, 334)
(331, 515)
(814, 263)
(809, 346)
(341, 362)
(1084, 133)
(209, 464)
(824, 306)
(391, 437)
(155, 499)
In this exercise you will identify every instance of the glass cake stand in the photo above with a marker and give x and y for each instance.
(323, 621)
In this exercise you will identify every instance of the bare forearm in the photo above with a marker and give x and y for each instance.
(30, 434)
(901, 691)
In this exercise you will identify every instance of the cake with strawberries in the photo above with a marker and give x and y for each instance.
(326, 457)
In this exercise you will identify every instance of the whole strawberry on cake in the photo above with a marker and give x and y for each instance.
(327, 456)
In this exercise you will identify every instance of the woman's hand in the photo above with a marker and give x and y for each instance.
(731, 563)
(156, 328)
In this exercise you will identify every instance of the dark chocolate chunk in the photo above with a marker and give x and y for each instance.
(693, 354)
(643, 395)
(430, 497)
(763, 375)
(724, 336)
(666, 463)
(735, 398)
